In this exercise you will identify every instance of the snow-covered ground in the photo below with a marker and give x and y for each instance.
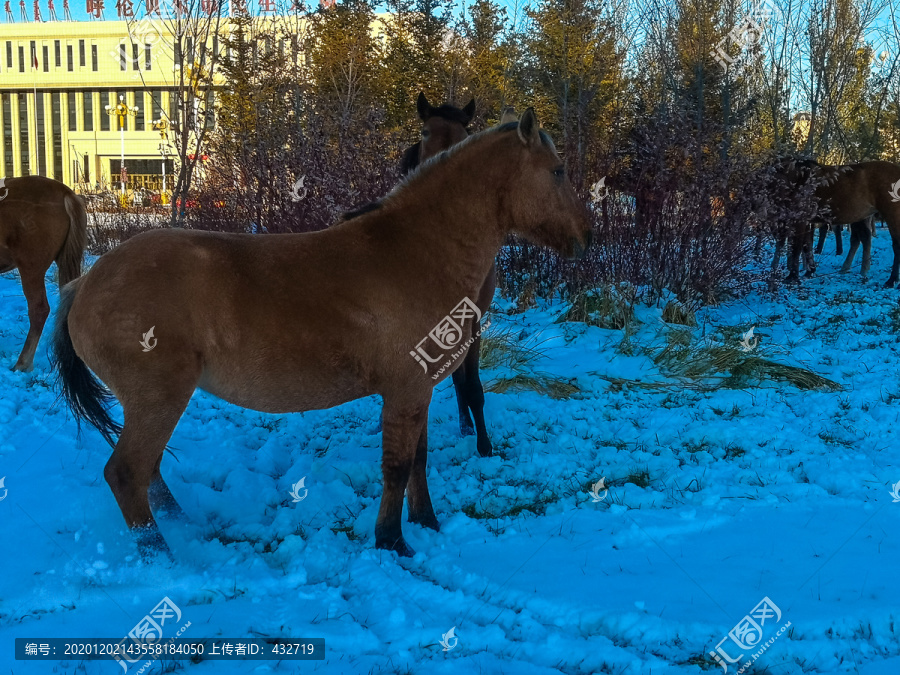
(717, 498)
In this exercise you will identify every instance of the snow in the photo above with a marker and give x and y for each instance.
(767, 491)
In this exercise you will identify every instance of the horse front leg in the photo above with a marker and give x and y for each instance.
(839, 238)
(38, 311)
(403, 425)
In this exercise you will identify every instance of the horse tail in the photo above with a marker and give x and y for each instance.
(69, 259)
(85, 395)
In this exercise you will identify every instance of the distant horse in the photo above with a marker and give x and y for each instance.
(375, 305)
(848, 195)
(442, 128)
(41, 221)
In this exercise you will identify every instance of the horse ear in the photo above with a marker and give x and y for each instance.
(509, 115)
(423, 107)
(529, 128)
(469, 110)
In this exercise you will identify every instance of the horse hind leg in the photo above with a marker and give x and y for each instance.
(823, 233)
(854, 247)
(161, 497)
(466, 428)
(893, 223)
(38, 310)
(475, 397)
(865, 235)
(839, 240)
(134, 464)
(418, 499)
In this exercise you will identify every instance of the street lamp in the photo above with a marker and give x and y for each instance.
(162, 126)
(122, 111)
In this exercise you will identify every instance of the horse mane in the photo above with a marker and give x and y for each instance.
(361, 210)
(429, 165)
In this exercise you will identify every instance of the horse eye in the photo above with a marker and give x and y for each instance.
(425, 133)
(559, 171)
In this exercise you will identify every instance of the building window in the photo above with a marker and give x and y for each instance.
(56, 122)
(139, 117)
(81, 53)
(41, 168)
(135, 58)
(70, 61)
(88, 99)
(58, 53)
(21, 59)
(7, 134)
(72, 100)
(94, 58)
(156, 103)
(46, 51)
(24, 151)
(148, 58)
(9, 58)
(104, 116)
(210, 119)
(123, 57)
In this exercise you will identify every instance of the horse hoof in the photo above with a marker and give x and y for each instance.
(430, 521)
(485, 449)
(398, 546)
(151, 544)
(809, 274)
(22, 368)
(466, 429)
(792, 279)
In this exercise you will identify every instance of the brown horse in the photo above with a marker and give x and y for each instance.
(850, 195)
(41, 221)
(298, 322)
(442, 128)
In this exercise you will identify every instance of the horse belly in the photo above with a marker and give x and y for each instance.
(289, 387)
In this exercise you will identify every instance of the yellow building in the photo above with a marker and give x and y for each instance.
(56, 81)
